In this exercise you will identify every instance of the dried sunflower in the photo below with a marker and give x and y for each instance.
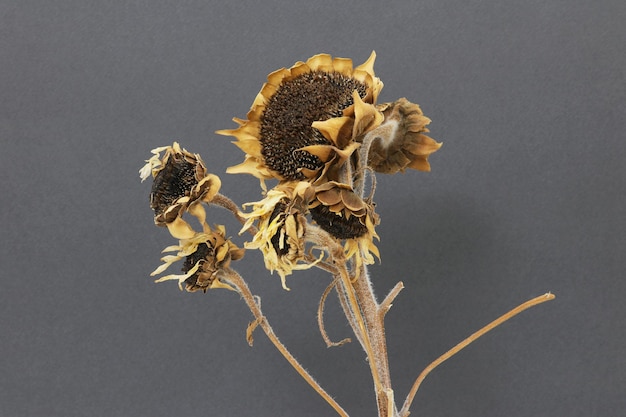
(306, 118)
(205, 255)
(343, 214)
(181, 183)
(281, 225)
(400, 141)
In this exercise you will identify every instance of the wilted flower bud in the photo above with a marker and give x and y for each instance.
(400, 141)
(281, 225)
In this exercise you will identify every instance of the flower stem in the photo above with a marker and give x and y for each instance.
(225, 202)
(364, 315)
(379, 362)
(238, 282)
(530, 303)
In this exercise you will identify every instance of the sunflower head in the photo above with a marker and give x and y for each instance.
(305, 115)
(181, 182)
(281, 225)
(338, 210)
(204, 256)
(400, 142)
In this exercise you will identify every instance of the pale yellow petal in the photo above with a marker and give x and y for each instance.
(168, 260)
(277, 76)
(323, 152)
(180, 229)
(197, 210)
(299, 68)
(343, 66)
(368, 66)
(320, 62)
(180, 277)
(248, 166)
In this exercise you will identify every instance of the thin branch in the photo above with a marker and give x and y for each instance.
(225, 202)
(260, 320)
(530, 303)
(345, 305)
(320, 317)
(384, 307)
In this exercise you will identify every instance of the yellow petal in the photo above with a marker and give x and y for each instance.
(421, 164)
(173, 248)
(255, 113)
(180, 229)
(247, 131)
(299, 68)
(168, 260)
(352, 201)
(368, 66)
(423, 145)
(330, 197)
(211, 185)
(323, 152)
(277, 76)
(197, 210)
(222, 251)
(259, 101)
(248, 166)
(343, 65)
(321, 62)
(145, 171)
(268, 90)
(337, 209)
(180, 278)
(366, 117)
(333, 128)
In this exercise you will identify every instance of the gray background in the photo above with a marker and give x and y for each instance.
(526, 196)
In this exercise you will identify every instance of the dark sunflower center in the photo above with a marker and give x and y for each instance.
(203, 252)
(175, 180)
(289, 113)
(338, 226)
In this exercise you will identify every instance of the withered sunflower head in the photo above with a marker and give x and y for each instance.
(181, 182)
(281, 226)
(305, 116)
(338, 210)
(400, 142)
(204, 256)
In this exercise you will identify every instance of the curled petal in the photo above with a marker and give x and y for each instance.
(335, 128)
(180, 229)
(366, 116)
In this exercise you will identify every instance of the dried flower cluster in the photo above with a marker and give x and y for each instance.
(316, 130)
